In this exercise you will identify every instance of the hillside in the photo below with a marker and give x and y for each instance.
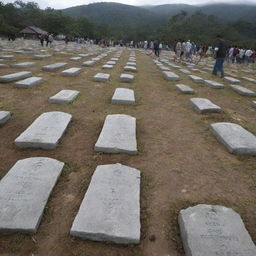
(115, 14)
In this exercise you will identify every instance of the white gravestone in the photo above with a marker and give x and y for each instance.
(4, 116)
(213, 230)
(202, 106)
(23, 65)
(126, 78)
(64, 97)
(110, 210)
(88, 63)
(231, 80)
(235, 138)
(71, 72)
(101, 77)
(118, 135)
(130, 68)
(196, 79)
(123, 96)
(45, 132)
(214, 84)
(185, 89)
(15, 76)
(170, 76)
(242, 90)
(29, 82)
(24, 192)
(55, 66)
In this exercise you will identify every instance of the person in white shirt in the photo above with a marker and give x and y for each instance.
(248, 54)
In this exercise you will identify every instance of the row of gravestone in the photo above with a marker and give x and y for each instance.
(234, 137)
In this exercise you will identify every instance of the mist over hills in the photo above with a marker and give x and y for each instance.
(115, 14)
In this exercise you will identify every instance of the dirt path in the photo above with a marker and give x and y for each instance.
(182, 164)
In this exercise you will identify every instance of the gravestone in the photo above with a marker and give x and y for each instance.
(64, 97)
(4, 116)
(88, 63)
(3, 66)
(43, 56)
(7, 57)
(15, 76)
(202, 106)
(249, 79)
(114, 59)
(101, 77)
(130, 68)
(107, 66)
(214, 84)
(76, 58)
(126, 78)
(196, 79)
(111, 63)
(54, 66)
(242, 90)
(235, 138)
(185, 89)
(123, 96)
(110, 210)
(29, 82)
(184, 71)
(170, 76)
(164, 68)
(231, 80)
(214, 230)
(71, 72)
(45, 132)
(254, 104)
(118, 135)
(129, 63)
(24, 192)
(23, 65)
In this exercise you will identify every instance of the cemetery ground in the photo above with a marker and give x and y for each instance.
(182, 163)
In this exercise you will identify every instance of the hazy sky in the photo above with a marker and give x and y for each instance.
(60, 4)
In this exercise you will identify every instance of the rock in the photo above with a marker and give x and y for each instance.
(23, 65)
(24, 192)
(45, 132)
(126, 78)
(29, 82)
(130, 68)
(170, 76)
(196, 79)
(4, 116)
(185, 89)
(71, 72)
(213, 230)
(123, 96)
(214, 84)
(55, 66)
(231, 80)
(242, 90)
(110, 210)
(64, 97)
(88, 63)
(15, 76)
(235, 138)
(101, 77)
(118, 135)
(202, 106)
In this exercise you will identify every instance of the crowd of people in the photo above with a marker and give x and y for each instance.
(46, 39)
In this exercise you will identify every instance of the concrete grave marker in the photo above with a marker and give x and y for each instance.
(24, 192)
(196, 79)
(123, 96)
(126, 78)
(23, 65)
(202, 106)
(249, 79)
(185, 89)
(29, 82)
(231, 80)
(4, 116)
(235, 138)
(64, 97)
(213, 230)
(110, 210)
(130, 68)
(45, 132)
(76, 58)
(71, 72)
(101, 77)
(88, 63)
(55, 66)
(242, 90)
(214, 84)
(254, 104)
(107, 66)
(44, 56)
(118, 135)
(15, 76)
(170, 76)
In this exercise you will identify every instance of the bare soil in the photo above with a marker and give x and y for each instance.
(182, 164)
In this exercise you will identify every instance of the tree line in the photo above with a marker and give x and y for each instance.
(198, 27)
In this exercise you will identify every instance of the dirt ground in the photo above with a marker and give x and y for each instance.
(182, 163)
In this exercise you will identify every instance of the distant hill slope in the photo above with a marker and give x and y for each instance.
(115, 14)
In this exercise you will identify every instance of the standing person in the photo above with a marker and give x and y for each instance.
(160, 48)
(248, 54)
(188, 50)
(183, 49)
(41, 38)
(156, 48)
(220, 53)
(50, 39)
(178, 50)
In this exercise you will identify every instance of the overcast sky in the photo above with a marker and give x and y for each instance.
(60, 4)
